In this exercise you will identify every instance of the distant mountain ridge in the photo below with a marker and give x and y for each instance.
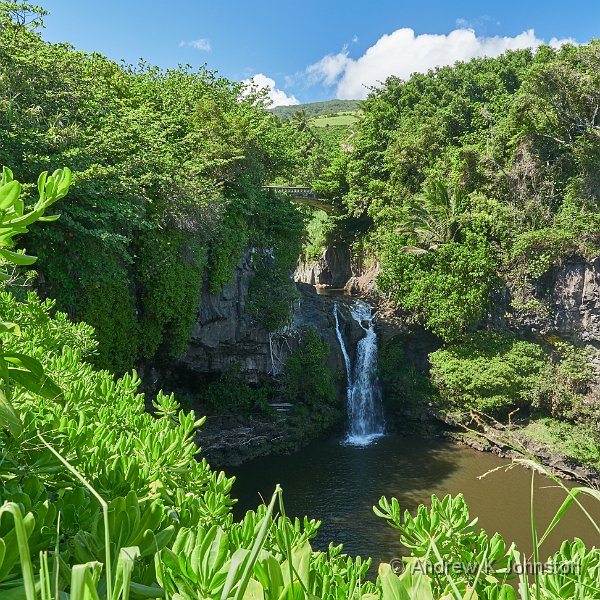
(316, 109)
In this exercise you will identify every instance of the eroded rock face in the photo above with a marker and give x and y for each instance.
(333, 269)
(225, 335)
(569, 298)
(575, 294)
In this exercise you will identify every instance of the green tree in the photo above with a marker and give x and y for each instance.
(434, 218)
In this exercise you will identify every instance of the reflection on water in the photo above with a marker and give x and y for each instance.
(339, 484)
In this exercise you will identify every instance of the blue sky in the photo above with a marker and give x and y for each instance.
(314, 50)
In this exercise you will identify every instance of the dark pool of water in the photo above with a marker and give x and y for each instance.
(339, 485)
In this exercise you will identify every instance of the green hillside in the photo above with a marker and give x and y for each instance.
(343, 119)
(317, 109)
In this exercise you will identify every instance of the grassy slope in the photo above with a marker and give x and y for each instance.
(316, 109)
(345, 118)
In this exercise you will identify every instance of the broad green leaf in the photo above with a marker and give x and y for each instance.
(42, 184)
(392, 587)
(16, 258)
(29, 373)
(24, 555)
(11, 328)
(9, 194)
(9, 417)
(254, 591)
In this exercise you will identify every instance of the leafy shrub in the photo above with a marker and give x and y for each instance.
(563, 390)
(448, 524)
(403, 384)
(110, 305)
(491, 372)
(448, 289)
(317, 234)
(226, 251)
(171, 270)
(277, 229)
(307, 379)
(271, 294)
(580, 441)
(169, 168)
(541, 249)
(231, 393)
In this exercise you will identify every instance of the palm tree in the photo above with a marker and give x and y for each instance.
(434, 218)
(300, 120)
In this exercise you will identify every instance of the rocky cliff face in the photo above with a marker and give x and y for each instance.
(226, 336)
(338, 268)
(332, 269)
(565, 301)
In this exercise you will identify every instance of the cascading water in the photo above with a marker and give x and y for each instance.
(365, 412)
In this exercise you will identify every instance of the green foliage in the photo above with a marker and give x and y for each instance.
(403, 384)
(448, 289)
(169, 166)
(316, 390)
(226, 251)
(277, 231)
(17, 367)
(14, 219)
(317, 230)
(271, 293)
(110, 306)
(580, 442)
(539, 250)
(563, 390)
(450, 558)
(118, 504)
(445, 534)
(231, 393)
(171, 269)
(491, 372)
(435, 218)
(526, 166)
(133, 496)
(315, 109)
(337, 119)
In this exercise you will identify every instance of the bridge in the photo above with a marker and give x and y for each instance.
(302, 193)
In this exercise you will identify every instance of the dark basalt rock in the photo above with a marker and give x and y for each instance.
(569, 300)
(332, 269)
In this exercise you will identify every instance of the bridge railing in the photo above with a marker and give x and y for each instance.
(296, 191)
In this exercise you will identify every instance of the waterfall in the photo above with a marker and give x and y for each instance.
(365, 412)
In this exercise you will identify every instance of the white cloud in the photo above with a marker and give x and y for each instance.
(403, 53)
(278, 97)
(202, 44)
(329, 68)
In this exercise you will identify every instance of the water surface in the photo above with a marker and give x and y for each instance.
(339, 484)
